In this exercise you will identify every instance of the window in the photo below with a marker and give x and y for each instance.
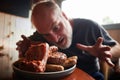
(101, 11)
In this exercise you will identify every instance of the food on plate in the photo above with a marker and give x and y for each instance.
(35, 58)
(38, 52)
(56, 58)
(33, 65)
(54, 68)
(59, 58)
(53, 49)
(70, 61)
(42, 58)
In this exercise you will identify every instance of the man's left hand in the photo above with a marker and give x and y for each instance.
(98, 50)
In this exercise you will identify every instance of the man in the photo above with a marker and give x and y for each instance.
(81, 37)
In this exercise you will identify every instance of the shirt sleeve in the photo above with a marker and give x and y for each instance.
(37, 37)
(102, 32)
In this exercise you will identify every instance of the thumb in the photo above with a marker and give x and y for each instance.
(24, 37)
(109, 62)
(82, 47)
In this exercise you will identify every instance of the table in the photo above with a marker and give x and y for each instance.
(78, 74)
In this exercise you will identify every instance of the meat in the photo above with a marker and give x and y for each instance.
(42, 57)
(35, 58)
(33, 65)
(37, 52)
(57, 58)
(53, 49)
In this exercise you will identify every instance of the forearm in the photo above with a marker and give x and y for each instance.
(115, 51)
(36, 37)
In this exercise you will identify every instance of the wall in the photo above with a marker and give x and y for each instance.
(114, 30)
(11, 28)
(115, 33)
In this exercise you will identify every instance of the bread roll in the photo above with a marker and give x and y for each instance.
(70, 61)
(54, 68)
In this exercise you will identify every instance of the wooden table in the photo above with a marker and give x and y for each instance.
(78, 75)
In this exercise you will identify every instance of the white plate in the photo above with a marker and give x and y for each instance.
(28, 74)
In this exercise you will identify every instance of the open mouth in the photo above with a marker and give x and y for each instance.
(61, 40)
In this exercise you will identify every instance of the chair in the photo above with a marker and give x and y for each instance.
(109, 71)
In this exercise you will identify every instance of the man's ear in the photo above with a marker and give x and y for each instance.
(65, 15)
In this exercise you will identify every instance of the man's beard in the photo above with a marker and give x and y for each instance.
(68, 37)
(68, 42)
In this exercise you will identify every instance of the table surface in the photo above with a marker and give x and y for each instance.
(78, 74)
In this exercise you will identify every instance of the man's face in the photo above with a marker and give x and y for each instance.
(56, 29)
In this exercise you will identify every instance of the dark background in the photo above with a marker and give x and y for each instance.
(16, 7)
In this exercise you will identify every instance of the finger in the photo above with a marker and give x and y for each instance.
(20, 54)
(108, 55)
(82, 47)
(99, 41)
(24, 37)
(105, 55)
(17, 48)
(108, 60)
(18, 43)
(106, 48)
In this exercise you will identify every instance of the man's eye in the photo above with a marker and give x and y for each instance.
(56, 28)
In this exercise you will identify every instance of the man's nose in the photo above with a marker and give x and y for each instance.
(54, 37)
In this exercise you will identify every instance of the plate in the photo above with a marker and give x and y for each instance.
(37, 75)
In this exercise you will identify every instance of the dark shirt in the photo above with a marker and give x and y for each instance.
(85, 32)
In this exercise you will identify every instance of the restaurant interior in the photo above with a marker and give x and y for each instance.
(15, 21)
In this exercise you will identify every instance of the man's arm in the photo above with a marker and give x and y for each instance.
(37, 37)
(103, 52)
(115, 51)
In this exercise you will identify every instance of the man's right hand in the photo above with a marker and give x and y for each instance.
(23, 45)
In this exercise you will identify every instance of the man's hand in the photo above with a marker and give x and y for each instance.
(98, 50)
(23, 45)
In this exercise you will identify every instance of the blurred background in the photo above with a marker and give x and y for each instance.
(15, 21)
